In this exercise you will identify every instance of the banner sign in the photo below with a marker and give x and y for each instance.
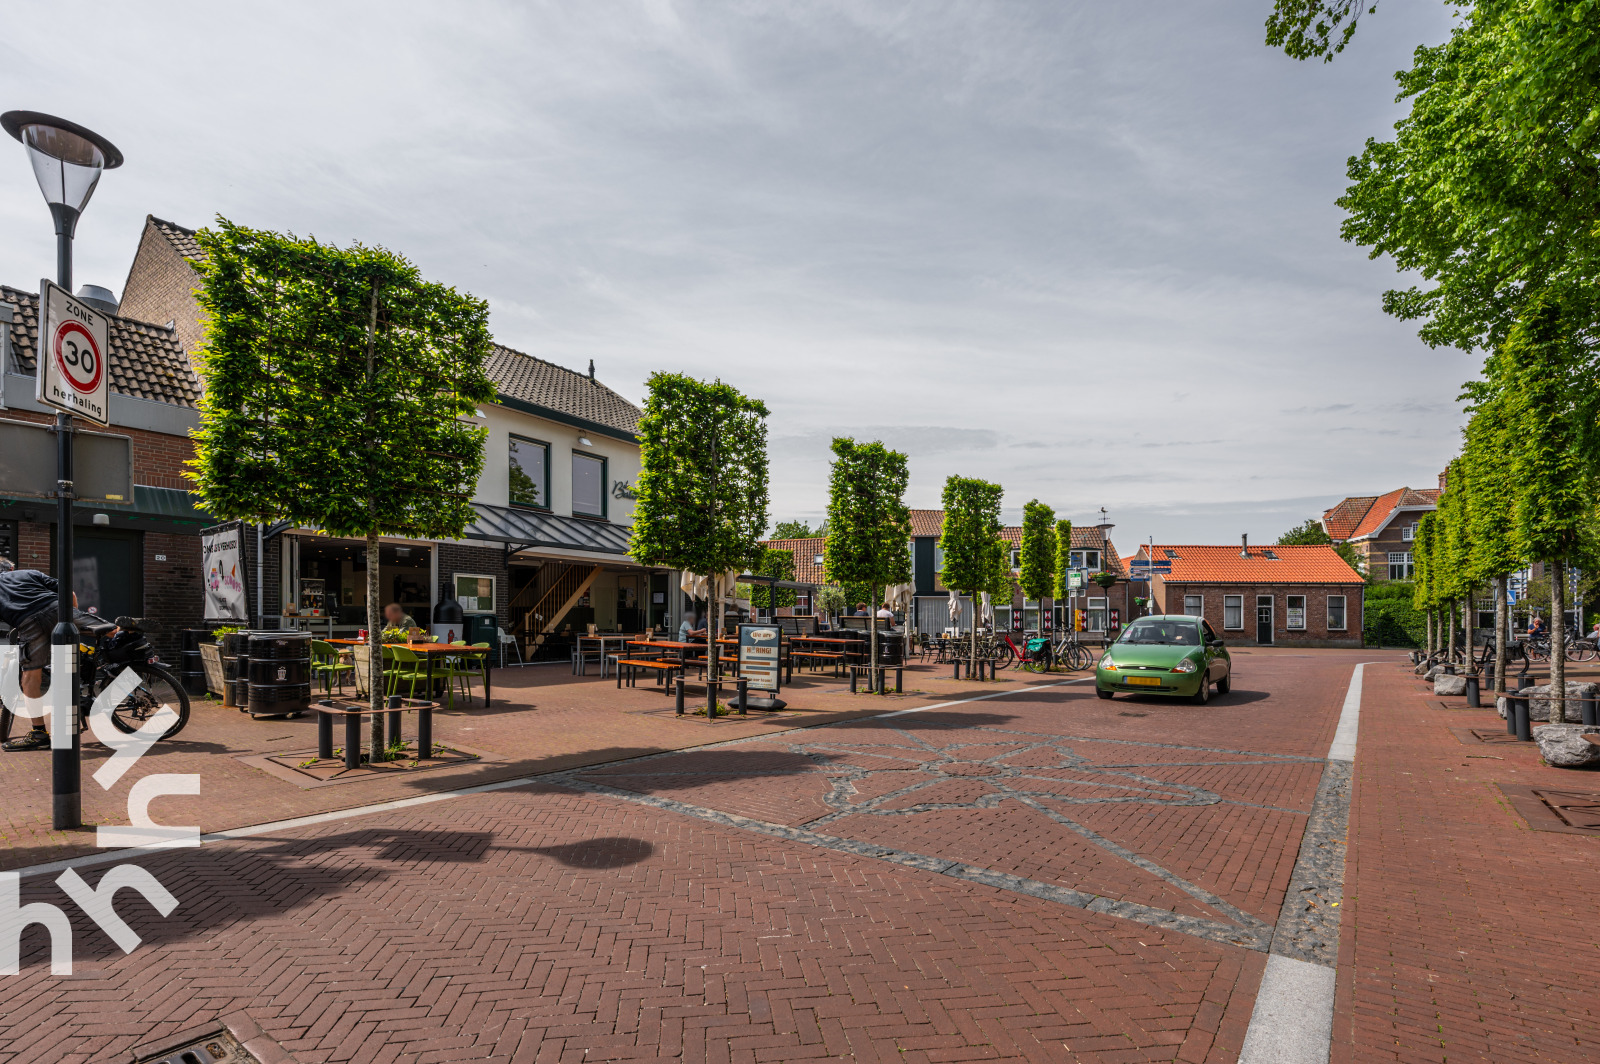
(760, 651)
(222, 555)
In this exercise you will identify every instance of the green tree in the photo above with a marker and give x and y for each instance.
(869, 526)
(1310, 533)
(1490, 188)
(829, 600)
(967, 538)
(1038, 571)
(1307, 28)
(1423, 594)
(1062, 567)
(1551, 404)
(1490, 496)
(338, 384)
(794, 530)
(775, 563)
(702, 487)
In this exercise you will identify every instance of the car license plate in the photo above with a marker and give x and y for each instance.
(1143, 681)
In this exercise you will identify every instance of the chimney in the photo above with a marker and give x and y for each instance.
(100, 299)
(591, 369)
(1444, 479)
(1244, 545)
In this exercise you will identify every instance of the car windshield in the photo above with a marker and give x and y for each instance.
(1163, 632)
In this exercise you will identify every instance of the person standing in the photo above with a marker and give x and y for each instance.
(28, 605)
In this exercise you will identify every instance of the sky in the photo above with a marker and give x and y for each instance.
(1089, 251)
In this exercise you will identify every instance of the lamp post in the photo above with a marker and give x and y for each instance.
(67, 162)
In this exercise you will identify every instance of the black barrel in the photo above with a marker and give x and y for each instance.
(191, 638)
(279, 672)
(236, 668)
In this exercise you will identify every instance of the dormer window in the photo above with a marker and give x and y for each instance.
(1086, 559)
(1409, 532)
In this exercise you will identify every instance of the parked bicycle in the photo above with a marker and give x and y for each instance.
(104, 651)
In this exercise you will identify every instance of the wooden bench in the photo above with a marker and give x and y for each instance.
(817, 658)
(856, 671)
(663, 669)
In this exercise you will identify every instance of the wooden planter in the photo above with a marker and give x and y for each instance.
(211, 657)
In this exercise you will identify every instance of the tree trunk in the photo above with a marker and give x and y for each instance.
(872, 638)
(1450, 635)
(972, 665)
(1466, 633)
(1427, 619)
(375, 691)
(1558, 642)
(1500, 618)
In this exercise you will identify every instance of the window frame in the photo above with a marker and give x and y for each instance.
(1344, 613)
(1199, 604)
(605, 470)
(1103, 609)
(513, 438)
(1239, 600)
(1289, 609)
(1080, 559)
(1406, 566)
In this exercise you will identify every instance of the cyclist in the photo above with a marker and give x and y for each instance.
(28, 605)
(1536, 629)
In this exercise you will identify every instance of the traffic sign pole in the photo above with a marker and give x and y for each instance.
(66, 787)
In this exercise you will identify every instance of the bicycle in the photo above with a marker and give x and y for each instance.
(1073, 654)
(104, 651)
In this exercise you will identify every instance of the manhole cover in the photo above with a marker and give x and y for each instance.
(211, 1047)
(1551, 809)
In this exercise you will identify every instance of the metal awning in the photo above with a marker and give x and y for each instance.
(521, 529)
(169, 502)
(757, 578)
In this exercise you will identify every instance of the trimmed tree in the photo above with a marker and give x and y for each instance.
(775, 563)
(1551, 406)
(1038, 570)
(338, 382)
(869, 526)
(1062, 568)
(702, 487)
(1490, 511)
(1422, 595)
(967, 538)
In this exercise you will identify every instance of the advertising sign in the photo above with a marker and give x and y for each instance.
(760, 651)
(74, 344)
(222, 559)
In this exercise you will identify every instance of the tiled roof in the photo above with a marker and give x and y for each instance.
(1341, 519)
(180, 238)
(931, 523)
(1206, 564)
(927, 522)
(806, 568)
(533, 380)
(1385, 505)
(146, 360)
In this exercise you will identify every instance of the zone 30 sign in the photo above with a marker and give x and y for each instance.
(73, 345)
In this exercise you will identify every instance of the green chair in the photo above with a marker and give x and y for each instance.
(468, 665)
(325, 661)
(408, 665)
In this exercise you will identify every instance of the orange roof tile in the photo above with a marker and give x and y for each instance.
(1277, 564)
(807, 570)
(927, 522)
(1385, 506)
(1342, 518)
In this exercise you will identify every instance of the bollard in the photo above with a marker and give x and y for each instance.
(1524, 728)
(1522, 677)
(352, 741)
(425, 730)
(744, 689)
(1511, 714)
(678, 683)
(1449, 668)
(957, 663)
(391, 733)
(1587, 707)
(711, 700)
(1472, 693)
(325, 736)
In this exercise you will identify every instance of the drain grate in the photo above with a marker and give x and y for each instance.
(213, 1047)
(1494, 735)
(1551, 809)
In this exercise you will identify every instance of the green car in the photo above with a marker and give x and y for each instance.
(1179, 656)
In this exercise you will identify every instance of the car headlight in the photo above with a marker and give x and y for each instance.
(1107, 663)
(1186, 665)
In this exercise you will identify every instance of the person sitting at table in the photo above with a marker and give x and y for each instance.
(886, 613)
(395, 616)
(692, 630)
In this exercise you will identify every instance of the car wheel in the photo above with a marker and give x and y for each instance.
(1225, 684)
(1104, 694)
(1202, 696)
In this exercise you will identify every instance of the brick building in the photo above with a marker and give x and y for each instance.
(1271, 596)
(144, 558)
(1381, 527)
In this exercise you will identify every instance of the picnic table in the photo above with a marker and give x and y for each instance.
(429, 651)
(601, 639)
(850, 647)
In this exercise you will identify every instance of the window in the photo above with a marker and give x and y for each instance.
(802, 604)
(530, 473)
(1233, 613)
(816, 560)
(1400, 565)
(938, 558)
(1335, 613)
(1016, 559)
(588, 485)
(1097, 615)
(1409, 532)
(1194, 605)
(1002, 618)
(1296, 608)
(1086, 559)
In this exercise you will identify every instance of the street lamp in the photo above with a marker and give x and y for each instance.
(67, 161)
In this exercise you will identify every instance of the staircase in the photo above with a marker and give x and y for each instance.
(538, 609)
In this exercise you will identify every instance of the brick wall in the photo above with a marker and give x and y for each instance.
(490, 561)
(1169, 599)
(173, 595)
(160, 288)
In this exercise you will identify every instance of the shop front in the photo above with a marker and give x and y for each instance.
(323, 587)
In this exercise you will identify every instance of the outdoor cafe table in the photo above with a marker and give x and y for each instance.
(669, 644)
(602, 638)
(429, 651)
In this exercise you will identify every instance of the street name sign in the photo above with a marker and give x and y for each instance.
(74, 344)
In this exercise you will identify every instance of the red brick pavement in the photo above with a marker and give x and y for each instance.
(1467, 936)
(539, 924)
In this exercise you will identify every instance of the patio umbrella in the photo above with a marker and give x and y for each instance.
(955, 610)
(898, 596)
(988, 609)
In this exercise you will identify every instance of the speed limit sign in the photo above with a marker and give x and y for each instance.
(74, 341)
